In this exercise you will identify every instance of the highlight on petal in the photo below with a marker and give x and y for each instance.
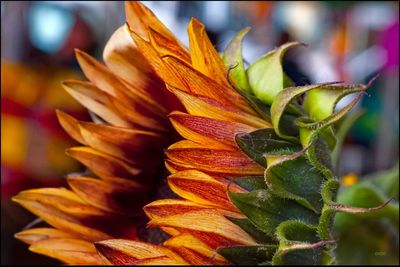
(203, 54)
(205, 222)
(34, 235)
(203, 189)
(194, 250)
(208, 131)
(68, 250)
(212, 160)
(116, 195)
(95, 100)
(70, 125)
(203, 106)
(102, 164)
(126, 252)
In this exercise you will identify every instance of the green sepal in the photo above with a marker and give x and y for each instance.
(296, 179)
(264, 209)
(232, 57)
(259, 142)
(320, 103)
(281, 103)
(253, 230)
(250, 183)
(266, 76)
(248, 255)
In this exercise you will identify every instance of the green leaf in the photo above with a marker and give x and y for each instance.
(232, 58)
(247, 255)
(266, 76)
(259, 142)
(386, 181)
(267, 211)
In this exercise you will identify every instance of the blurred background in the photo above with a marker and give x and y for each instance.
(347, 41)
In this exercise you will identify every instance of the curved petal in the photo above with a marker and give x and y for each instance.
(203, 189)
(34, 235)
(208, 131)
(68, 250)
(126, 252)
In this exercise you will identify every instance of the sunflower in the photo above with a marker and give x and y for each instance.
(253, 171)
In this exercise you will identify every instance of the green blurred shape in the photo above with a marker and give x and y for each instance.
(371, 238)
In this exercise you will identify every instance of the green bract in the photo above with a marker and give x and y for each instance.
(291, 209)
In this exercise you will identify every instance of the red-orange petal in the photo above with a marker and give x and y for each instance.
(213, 160)
(126, 252)
(211, 108)
(208, 131)
(203, 189)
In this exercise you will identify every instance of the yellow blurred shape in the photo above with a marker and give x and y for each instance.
(349, 179)
(13, 140)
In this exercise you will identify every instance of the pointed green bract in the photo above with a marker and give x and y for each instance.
(266, 76)
(233, 59)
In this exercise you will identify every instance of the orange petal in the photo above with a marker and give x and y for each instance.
(133, 138)
(157, 64)
(207, 221)
(164, 46)
(126, 252)
(124, 59)
(194, 251)
(70, 125)
(203, 54)
(68, 250)
(202, 130)
(98, 137)
(139, 117)
(34, 235)
(140, 18)
(168, 207)
(50, 210)
(95, 100)
(100, 75)
(106, 81)
(199, 84)
(214, 160)
(102, 164)
(61, 199)
(116, 195)
(207, 107)
(203, 189)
